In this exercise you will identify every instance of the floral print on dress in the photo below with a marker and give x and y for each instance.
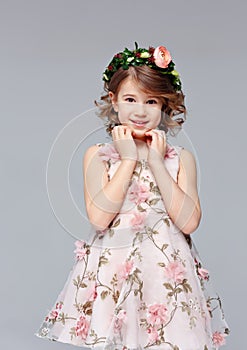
(138, 192)
(82, 327)
(170, 151)
(219, 339)
(137, 221)
(175, 271)
(108, 152)
(137, 296)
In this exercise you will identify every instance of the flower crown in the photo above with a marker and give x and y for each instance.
(158, 59)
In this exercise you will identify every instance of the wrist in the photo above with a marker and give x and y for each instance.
(156, 163)
(128, 160)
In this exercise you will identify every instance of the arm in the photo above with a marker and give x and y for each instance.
(104, 198)
(181, 199)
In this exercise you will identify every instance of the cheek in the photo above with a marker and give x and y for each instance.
(125, 110)
(157, 115)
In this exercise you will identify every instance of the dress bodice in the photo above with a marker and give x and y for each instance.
(143, 203)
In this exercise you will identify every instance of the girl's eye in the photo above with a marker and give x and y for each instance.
(152, 102)
(129, 99)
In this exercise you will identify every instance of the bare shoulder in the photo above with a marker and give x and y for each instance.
(187, 155)
(187, 174)
(187, 161)
(91, 152)
(93, 161)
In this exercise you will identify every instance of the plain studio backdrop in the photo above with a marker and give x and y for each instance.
(53, 54)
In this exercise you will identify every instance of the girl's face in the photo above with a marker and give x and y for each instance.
(137, 109)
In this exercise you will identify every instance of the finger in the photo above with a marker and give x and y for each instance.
(148, 141)
(156, 139)
(114, 132)
(159, 133)
(125, 129)
(161, 141)
(129, 133)
(120, 131)
(123, 132)
(148, 133)
(159, 138)
(149, 136)
(122, 128)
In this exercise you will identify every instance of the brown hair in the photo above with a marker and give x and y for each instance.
(158, 84)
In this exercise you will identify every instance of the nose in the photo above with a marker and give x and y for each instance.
(140, 110)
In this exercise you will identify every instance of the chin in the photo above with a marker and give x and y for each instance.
(139, 130)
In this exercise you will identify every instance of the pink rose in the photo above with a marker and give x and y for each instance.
(203, 273)
(162, 57)
(219, 339)
(107, 152)
(153, 334)
(127, 269)
(138, 192)
(82, 327)
(120, 318)
(170, 151)
(138, 220)
(157, 314)
(53, 315)
(175, 271)
(80, 250)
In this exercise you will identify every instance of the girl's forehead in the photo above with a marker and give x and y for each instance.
(131, 86)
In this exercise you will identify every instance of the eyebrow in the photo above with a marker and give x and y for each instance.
(135, 95)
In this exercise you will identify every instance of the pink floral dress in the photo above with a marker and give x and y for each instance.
(140, 283)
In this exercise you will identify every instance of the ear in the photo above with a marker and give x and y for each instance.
(113, 101)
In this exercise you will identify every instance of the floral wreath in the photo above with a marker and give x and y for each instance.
(158, 59)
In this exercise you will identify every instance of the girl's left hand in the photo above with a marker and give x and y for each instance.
(156, 141)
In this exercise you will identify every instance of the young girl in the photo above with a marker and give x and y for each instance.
(138, 283)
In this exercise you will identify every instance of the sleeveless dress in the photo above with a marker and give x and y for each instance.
(140, 283)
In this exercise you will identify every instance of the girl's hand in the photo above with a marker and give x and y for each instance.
(156, 141)
(124, 142)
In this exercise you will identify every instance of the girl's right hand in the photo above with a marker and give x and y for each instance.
(124, 142)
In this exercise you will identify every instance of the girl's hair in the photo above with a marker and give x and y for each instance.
(151, 81)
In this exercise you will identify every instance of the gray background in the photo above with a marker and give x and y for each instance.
(52, 56)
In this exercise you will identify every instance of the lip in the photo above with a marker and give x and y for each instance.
(139, 123)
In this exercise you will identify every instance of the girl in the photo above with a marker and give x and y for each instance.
(138, 283)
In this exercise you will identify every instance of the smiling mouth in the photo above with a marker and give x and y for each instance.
(138, 123)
